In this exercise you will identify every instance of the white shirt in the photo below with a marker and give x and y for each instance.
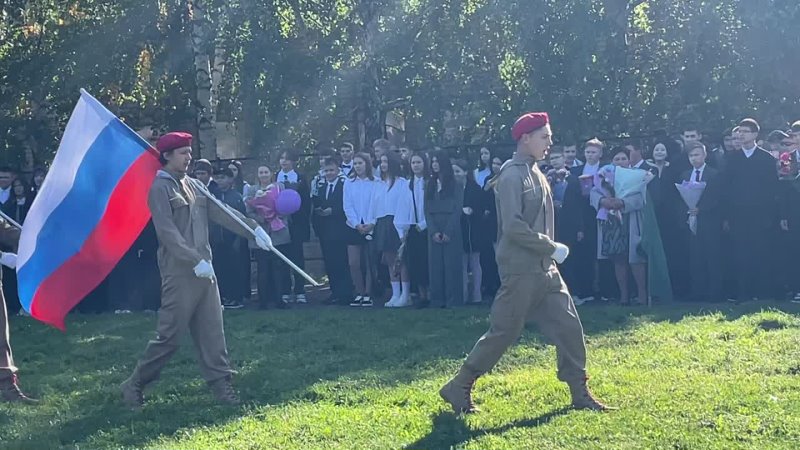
(749, 153)
(404, 219)
(591, 170)
(287, 177)
(482, 175)
(385, 198)
(346, 168)
(330, 187)
(358, 201)
(5, 194)
(695, 176)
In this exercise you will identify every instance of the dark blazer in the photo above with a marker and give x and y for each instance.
(751, 186)
(587, 223)
(300, 222)
(473, 230)
(335, 225)
(709, 216)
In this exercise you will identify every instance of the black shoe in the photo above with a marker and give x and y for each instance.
(366, 301)
(356, 302)
(231, 304)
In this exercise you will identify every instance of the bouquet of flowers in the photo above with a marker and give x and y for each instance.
(264, 205)
(691, 193)
(604, 181)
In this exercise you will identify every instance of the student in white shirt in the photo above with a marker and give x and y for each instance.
(385, 200)
(484, 169)
(358, 194)
(410, 221)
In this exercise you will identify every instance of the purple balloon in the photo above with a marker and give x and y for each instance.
(288, 202)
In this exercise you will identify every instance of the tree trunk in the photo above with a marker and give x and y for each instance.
(206, 139)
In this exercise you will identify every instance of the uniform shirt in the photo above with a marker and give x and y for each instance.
(406, 216)
(591, 170)
(5, 194)
(385, 199)
(180, 216)
(482, 175)
(288, 177)
(358, 200)
(698, 177)
(525, 218)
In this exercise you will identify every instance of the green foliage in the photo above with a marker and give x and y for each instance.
(337, 378)
(303, 72)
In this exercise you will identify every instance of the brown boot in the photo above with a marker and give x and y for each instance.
(223, 391)
(582, 398)
(132, 393)
(10, 391)
(458, 392)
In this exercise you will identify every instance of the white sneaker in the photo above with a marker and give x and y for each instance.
(403, 302)
(301, 298)
(356, 301)
(392, 303)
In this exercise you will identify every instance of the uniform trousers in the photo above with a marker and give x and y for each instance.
(542, 298)
(188, 304)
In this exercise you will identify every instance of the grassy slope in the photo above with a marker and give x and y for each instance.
(726, 378)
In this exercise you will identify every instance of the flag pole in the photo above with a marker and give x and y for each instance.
(197, 184)
(10, 220)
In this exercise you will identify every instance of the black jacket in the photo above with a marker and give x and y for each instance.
(335, 225)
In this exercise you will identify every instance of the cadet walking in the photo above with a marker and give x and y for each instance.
(9, 389)
(190, 297)
(531, 286)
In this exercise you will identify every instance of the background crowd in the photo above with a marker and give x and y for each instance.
(403, 227)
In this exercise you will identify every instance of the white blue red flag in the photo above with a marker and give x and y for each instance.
(90, 209)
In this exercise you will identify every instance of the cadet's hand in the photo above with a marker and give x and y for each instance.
(8, 259)
(203, 269)
(263, 240)
(561, 253)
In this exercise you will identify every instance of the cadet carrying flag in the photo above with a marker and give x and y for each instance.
(90, 209)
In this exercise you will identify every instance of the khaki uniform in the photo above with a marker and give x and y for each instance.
(180, 216)
(9, 235)
(531, 286)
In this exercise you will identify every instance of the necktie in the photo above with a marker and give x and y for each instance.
(330, 191)
(285, 178)
(697, 176)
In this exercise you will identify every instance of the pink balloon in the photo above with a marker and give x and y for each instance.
(288, 202)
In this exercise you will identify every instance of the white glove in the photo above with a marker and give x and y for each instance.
(263, 240)
(203, 269)
(9, 260)
(561, 253)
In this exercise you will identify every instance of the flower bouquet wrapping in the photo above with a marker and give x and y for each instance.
(264, 205)
(691, 193)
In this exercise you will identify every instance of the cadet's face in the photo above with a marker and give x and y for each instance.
(203, 176)
(621, 160)
(538, 143)
(178, 160)
(459, 174)
(660, 152)
(592, 155)
(264, 175)
(697, 158)
(417, 165)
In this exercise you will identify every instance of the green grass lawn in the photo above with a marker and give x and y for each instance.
(721, 377)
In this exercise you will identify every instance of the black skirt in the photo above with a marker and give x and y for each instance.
(385, 235)
(353, 237)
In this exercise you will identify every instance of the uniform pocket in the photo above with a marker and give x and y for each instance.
(177, 201)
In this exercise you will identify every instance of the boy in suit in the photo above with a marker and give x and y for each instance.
(705, 247)
(330, 225)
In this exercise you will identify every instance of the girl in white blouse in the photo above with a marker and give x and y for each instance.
(410, 221)
(358, 194)
(387, 236)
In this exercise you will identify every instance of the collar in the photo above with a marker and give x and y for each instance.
(750, 150)
(701, 168)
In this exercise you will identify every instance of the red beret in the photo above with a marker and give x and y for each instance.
(528, 123)
(171, 141)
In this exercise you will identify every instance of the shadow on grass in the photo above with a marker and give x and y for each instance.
(450, 431)
(280, 357)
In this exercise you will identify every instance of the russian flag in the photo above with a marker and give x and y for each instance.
(90, 209)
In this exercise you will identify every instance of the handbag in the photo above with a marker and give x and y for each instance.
(614, 234)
